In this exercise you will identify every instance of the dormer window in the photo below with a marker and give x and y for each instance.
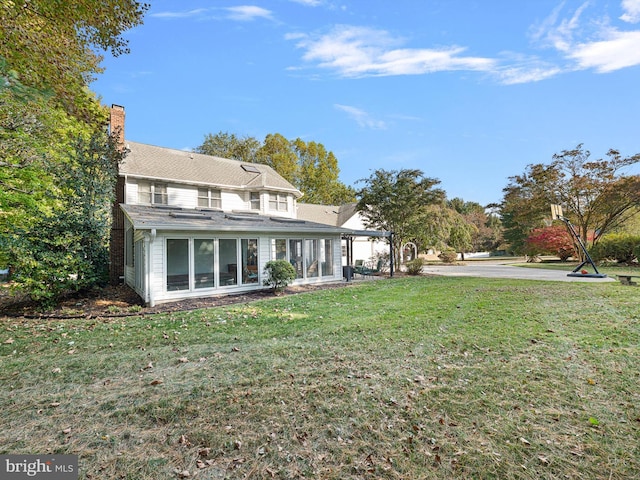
(209, 198)
(254, 200)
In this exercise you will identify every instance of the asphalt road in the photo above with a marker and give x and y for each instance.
(502, 270)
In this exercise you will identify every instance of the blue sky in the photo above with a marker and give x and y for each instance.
(468, 91)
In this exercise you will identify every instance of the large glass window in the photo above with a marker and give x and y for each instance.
(326, 253)
(278, 249)
(177, 264)
(228, 253)
(249, 249)
(204, 260)
(295, 257)
(311, 257)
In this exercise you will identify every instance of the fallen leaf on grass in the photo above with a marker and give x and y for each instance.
(156, 382)
(9, 341)
(543, 460)
(524, 441)
(183, 360)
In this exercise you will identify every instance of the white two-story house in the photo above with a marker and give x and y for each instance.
(189, 225)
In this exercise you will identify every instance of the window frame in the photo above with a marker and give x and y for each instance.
(254, 200)
(278, 202)
(153, 191)
(212, 199)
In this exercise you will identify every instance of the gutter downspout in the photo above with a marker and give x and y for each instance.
(151, 238)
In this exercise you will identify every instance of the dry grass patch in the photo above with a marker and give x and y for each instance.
(408, 378)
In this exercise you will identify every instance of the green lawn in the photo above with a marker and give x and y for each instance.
(408, 378)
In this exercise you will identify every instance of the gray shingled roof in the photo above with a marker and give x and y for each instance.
(328, 214)
(146, 217)
(166, 164)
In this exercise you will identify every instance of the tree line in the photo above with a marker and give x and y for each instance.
(58, 165)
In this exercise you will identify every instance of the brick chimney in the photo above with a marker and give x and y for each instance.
(116, 247)
(116, 123)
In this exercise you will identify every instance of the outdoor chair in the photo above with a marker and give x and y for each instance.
(359, 267)
(372, 270)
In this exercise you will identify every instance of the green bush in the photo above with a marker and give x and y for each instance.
(448, 255)
(619, 247)
(279, 273)
(414, 267)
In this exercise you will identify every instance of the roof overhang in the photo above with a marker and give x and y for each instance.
(162, 218)
(368, 233)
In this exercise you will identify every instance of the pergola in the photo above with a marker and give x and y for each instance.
(371, 234)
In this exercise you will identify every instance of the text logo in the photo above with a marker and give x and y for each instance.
(43, 467)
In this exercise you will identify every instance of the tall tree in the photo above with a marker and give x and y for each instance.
(276, 152)
(307, 165)
(318, 174)
(51, 45)
(487, 234)
(228, 145)
(399, 201)
(66, 247)
(594, 195)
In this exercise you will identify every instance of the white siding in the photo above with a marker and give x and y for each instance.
(289, 213)
(363, 248)
(235, 201)
(131, 192)
(182, 196)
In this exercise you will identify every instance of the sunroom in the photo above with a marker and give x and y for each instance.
(176, 253)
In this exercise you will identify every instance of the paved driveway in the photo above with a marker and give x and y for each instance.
(502, 270)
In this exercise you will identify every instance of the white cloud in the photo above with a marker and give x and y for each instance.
(360, 51)
(187, 14)
(361, 117)
(516, 74)
(592, 42)
(559, 32)
(248, 12)
(620, 50)
(631, 11)
(309, 3)
(242, 13)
